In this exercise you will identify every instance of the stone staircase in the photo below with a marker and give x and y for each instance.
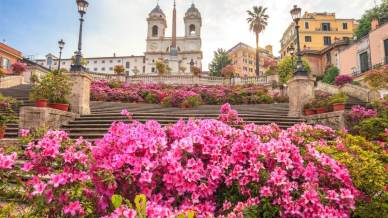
(104, 113)
(20, 93)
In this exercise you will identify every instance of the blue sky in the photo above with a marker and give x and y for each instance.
(119, 26)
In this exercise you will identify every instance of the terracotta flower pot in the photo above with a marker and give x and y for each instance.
(339, 107)
(321, 110)
(309, 112)
(2, 132)
(62, 107)
(41, 103)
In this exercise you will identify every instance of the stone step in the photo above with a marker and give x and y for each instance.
(160, 115)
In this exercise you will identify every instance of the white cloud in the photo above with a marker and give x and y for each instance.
(119, 26)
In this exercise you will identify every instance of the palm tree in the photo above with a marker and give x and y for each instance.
(257, 20)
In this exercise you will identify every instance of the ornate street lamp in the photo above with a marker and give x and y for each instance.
(61, 45)
(291, 51)
(82, 7)
(296, 15)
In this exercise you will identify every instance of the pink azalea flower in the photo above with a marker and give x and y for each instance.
(74, 209)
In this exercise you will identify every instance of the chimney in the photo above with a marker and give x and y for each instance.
(269, 49)
(374, 24)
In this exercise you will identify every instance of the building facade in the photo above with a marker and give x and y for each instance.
(243, 58)
(366, 53)
(8, 56)
(179, 53)
(317, 31)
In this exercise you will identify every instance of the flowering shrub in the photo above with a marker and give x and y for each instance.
(342, 80)
(204, 166)
(18, 67)
(367, 164)
(359, 113)
(179, 96)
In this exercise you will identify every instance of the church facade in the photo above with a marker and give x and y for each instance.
(179, 53)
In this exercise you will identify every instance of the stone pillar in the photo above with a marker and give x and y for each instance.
(80, 93)
(300, 92)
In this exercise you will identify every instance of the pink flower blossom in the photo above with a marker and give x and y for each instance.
(74, 209)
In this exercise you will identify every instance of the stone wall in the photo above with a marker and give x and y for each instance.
(355, 91)
(335, 120)
(34, 118)
(10, 81)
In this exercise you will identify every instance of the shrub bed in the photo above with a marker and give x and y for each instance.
(182, 96)
(205, 167)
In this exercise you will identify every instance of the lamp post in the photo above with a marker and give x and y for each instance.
(291, 51)
(296, 15)
(61, 45)
(82, 6)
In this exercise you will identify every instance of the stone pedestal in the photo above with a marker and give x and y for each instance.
(173, 63)
(300, 92)
(35, 117)
(80, 93)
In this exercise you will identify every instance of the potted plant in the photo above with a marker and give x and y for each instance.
(320, 106)
(59, 89)
(308, 109)
(338, 101)
(40, 92)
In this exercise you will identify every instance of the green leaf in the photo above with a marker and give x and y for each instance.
(117, 201)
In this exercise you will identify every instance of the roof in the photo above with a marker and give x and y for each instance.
(11, 51)
(193, 11)
(328, 48)
(157, 10)
(93, 58)
(243, 45)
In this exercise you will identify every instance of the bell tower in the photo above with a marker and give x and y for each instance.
(157, 23)
(193, 22)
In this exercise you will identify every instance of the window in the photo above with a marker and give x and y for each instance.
(95, 69)
(345, 26)
(346, 38)
(155, 30)
(111, 61)
(327, 40)
(127, 65)
(306, 25)
(364, 62)
(192, 29)
(153, 70)
(325, 26)
(95, 62)
(5, 63)
(118, 61)
(307, 39)
(63, 63)
(110, 68)
(103, 61)
(103, 69)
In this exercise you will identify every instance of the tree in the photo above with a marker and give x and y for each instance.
(257, 20)
(271, 65)
(161, 68)
(330, 75)
(119, 69)
(220, 60)
(380, 12)
(286, 68)
(228, 71)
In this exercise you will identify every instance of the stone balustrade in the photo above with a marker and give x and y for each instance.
(35, 118)
(185, 79)
(359, 92)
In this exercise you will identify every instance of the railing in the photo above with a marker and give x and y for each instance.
(185, 79)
